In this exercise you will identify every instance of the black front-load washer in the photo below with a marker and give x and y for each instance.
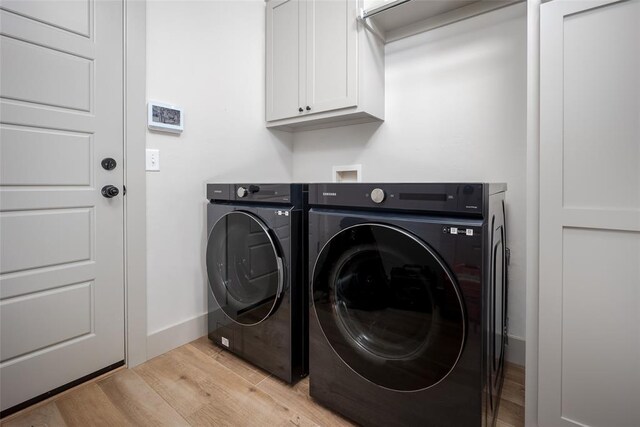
(408, 289)
(255, 262)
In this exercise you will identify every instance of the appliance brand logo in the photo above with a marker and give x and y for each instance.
(329, 194)
(217, 191)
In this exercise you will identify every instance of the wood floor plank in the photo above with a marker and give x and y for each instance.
(140, 404)
(221, 396)
(200, 384)
(511, 413)
(43, 416)
(297, 398)
(514, 373)
(513, 392)
(167, 376)
(89, 406)
(500, 423)
(242, 368)
(228, 417)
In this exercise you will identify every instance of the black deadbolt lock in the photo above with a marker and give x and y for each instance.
(110, 191)
(109, 164)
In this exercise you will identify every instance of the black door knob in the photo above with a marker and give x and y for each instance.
(108, 163)
(110, 191)
(300, 110)
(308, 108)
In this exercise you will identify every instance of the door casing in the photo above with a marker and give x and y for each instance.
(135, 211)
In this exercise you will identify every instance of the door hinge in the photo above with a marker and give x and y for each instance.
(124, 190)
(508, 255)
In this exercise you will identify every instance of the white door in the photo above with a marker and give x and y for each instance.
(285, 34)
(331, 55)
(61, 259)
(589, 354)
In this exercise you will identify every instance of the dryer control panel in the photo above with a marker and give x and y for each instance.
(465, 198)
(290, 194)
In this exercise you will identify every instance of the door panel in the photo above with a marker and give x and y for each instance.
(331, 54)
(67, 82)
(589, 343)
(607, 111)
(71, 15)
(67, 307)
(285, 36)
(600, 327)
(22, 145)
(61, 280)
(39, 239)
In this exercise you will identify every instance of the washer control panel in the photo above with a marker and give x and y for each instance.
(467, 198)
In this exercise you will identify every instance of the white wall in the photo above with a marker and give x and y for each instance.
(455, 111)
(207, 57)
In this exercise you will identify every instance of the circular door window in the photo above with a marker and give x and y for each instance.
(389, 307)
(245, 272)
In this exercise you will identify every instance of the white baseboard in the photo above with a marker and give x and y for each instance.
(191, 329)
(516, 350)
(176, 335)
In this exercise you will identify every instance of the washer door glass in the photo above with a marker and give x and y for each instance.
(389, 307)
(245, 272)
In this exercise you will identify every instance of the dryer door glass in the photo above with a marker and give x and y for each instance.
(245, 272)
(389, 307)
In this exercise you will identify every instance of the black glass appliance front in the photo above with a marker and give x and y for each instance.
(389, 306)
(244, 268)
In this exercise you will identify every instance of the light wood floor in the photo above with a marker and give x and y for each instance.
(198, 384)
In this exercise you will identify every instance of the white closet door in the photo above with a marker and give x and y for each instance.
(589, 360)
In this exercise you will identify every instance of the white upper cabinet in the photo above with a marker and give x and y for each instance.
(322, 67)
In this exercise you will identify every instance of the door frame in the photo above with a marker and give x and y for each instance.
(135, 209)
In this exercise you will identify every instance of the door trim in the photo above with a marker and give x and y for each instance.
(135, 209)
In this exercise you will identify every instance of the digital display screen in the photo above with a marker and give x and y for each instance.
(165, 115)
(427, 197)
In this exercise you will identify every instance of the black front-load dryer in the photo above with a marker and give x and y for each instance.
(255, 262)
(408, 291)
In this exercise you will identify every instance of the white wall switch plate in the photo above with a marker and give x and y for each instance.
(153, 159)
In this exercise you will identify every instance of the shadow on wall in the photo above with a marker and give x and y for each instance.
(322, 148)
(248, 163)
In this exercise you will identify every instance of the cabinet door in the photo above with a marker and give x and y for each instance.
(284, 42)
(589, 342)
(331, 63)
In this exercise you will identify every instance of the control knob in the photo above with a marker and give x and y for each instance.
(242, 192)
(377, 195)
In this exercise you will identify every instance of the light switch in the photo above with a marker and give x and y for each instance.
(153, 159)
